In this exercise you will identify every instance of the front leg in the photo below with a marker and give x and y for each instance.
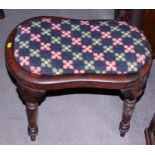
(32, 113)
(131, 96)
(32, 98)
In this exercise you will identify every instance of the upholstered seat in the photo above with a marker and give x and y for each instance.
(53, 46)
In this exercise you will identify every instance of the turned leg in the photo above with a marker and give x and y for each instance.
(131, 96)
(32, 113)
(32, 98)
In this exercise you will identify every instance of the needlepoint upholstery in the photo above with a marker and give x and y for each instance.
(54, 46)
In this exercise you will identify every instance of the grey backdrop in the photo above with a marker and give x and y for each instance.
(68, 119)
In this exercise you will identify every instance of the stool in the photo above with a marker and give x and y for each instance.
(52, 53)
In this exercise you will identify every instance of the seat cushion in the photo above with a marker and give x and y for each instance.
(55, 46)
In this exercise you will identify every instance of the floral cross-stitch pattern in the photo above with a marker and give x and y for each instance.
(54, 46)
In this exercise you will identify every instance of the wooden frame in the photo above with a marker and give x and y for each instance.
(150, 132)
(32, 88)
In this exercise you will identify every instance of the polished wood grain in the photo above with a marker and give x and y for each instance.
(32, 88)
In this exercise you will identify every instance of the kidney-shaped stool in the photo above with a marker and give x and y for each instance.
(52, 53)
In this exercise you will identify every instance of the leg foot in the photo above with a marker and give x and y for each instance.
(33, 138)
(122, 134)
(123, 129)
(33, 132)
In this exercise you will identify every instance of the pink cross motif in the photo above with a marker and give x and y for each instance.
(35, 37)
(68, 64)
(76, 41)
(84, 22)
(129, 49)
(19, 26)
(35, 69)
(16, 53)
(45, 46)
(95, 28)
(117, 41)
(87, 48)
(106, 35)
(111, 66)
(140, 58)
(98, 56)
(122, 23)
(66, 34)
(25, 30)
(48, 20)
(56, 55)
(135, 29)
(142, 36)
(76, 71)
(56, 26)
(24, 60)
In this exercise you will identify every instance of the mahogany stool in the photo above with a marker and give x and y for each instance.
(52, 53)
